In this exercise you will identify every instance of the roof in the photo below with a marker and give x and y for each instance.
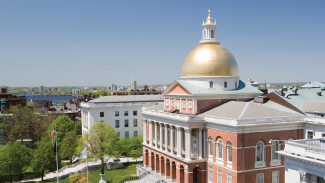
(314, 106)
(313, 84)
(245, 110)
(159, 106)
(127, 98)
(274, 105)
(243, 88)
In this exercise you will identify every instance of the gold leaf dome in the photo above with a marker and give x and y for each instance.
(209, 60)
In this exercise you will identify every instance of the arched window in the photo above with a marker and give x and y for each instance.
(212, 33)
(259, 152)
(211, 84)
(219, 151)
(290, 139)
(225, 84)
(210, 148)
(275, 147)
(229, 152)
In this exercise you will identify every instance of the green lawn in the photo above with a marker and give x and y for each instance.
(117, 174)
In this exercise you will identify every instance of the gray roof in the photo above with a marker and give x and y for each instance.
(313, 84)
(243, 88)
(128, 98)
(314, 106)
(159, 106)
(245, 110)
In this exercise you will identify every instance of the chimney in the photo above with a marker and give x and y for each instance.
(64, 106)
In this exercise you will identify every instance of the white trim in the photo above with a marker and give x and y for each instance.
(255, 169)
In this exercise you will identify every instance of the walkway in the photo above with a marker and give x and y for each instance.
(74, 170)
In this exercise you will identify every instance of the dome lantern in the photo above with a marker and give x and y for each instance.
(209, 32)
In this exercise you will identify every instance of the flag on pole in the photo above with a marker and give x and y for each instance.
(82, 155)
(53, 133)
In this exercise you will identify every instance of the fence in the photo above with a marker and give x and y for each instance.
(129, 178)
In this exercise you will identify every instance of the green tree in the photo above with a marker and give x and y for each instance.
(44, 157)
(136, 154)
(69, 145)
(84, 93)
(131, 147)
(30, 104)
(102, 142)
(103, 93)
(14, 159)
(78, 128)
(63, 126)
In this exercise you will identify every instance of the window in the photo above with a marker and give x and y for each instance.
(35, 136)
(205, 33)
(126, 113)
(235, 84)
(117, 123)
(135, 122)
(126, 123)
(167, 103)
(210, 174)
(127, 134)
(219, 176)
(172, 103)
(229, 152)
(190, 105)
(275, 147)
(310, 135)
(219, 155)
(275, 177)
(260, 178)
(323, 134)
(229, 178)
(212, 33)
(259, 151)
(27, 136)
(211, 84)
(177, 105)
(101, 114)
(135, 133)
(135, 113)
(117, 113)
(184, 105)
(290, 139)
(210, 148)
(225, 84)
(320, 180)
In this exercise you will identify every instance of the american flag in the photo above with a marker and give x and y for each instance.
(53, 133)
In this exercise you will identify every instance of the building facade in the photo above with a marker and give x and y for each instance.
(123, 113)
(133, 85)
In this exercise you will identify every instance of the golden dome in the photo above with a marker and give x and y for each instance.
(209, 60)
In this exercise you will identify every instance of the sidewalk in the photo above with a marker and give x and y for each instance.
(65, 173)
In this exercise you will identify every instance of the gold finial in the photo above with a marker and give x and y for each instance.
(209, 19)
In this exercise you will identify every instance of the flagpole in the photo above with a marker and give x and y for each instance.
(57, 165)
(87, 168)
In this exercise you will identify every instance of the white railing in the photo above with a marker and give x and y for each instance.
(311, 148)
(181, 117)
(253, 121)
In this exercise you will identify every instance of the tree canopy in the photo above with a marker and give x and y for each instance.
(102, 142)
(69, 145)
(78, 128)
(63, 126)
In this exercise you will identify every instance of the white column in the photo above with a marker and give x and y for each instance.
(197, 143)
(166, 138)
(200, 143)
(186, 107)
(179, 145)
(145, 133)
(171, 140)
(187, 144)
(156, 134)
(160, 136)
(150, 133)
(181, 140)
(204, 143)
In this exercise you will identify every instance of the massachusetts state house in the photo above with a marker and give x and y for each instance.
(214, 127)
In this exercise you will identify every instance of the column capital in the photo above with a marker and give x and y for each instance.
(160, 124)
(303, 175)
(144, 118)
(178, 128)
(204, 129)
(187, 130)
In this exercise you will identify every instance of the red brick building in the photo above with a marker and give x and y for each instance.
(210, 130)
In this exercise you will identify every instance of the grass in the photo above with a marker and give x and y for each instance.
(118, 175)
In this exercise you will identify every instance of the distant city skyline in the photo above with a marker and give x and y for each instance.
(83, 43)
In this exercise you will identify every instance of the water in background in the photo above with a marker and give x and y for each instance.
(55, 98)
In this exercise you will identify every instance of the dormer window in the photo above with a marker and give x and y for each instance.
(211, 84)
(225, 84)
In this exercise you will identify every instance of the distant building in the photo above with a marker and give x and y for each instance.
(7, 100)
(30, 89)
(43, 104)
(41, 89)
(268, 85)
(94, 88)
(108, 88)
(133, 84)
(145, 91)
(114, 87)
(55, 89)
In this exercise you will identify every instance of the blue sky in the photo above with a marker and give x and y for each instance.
(97, 43)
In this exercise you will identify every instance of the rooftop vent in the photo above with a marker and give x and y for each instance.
(319, 93)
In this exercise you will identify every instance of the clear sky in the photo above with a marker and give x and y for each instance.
(98, 43)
